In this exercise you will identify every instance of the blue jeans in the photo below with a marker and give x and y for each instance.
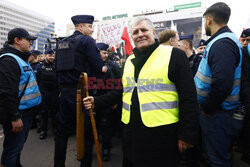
(218, 131)
(13, 143)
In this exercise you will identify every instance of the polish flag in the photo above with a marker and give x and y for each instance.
(125, 37)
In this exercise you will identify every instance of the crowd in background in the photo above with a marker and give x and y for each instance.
(217, 66)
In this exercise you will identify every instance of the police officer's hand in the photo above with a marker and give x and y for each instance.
(89, 102)
(17, 126)
(184, 145)
(104, 68)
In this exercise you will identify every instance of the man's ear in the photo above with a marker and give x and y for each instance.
(209, 20)
(170, 41)
(16, 40)
(154, 32)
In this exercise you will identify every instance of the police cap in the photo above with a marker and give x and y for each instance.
(35, 52)
(82, 19)
(20, 33)
(49, 51)
(202, 43)
(190, 37)
(102, 46)
(245, 33)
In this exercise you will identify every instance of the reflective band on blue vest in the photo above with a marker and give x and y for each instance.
(233, 98)
(201, 92)
(33, 83)
(31, 96)
(237, 82)
(204, 78)
(159, 105)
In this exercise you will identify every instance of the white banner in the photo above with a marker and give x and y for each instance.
(111, 33)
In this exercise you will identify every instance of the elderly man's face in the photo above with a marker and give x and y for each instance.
(143, 35)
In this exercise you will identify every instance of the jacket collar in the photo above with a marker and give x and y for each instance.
(7, 48)
(220, 31)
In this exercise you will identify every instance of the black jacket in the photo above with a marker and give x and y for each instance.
(9, 81)
(136, 135)
(245, 96)
(88, 58)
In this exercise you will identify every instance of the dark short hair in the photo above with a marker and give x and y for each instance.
(11, 41)
(220, 12)
(189, 42)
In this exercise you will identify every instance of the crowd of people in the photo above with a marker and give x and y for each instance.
(176, 103)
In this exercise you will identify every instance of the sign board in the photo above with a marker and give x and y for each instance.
(187, 6)
(111, 33)
(115, 17)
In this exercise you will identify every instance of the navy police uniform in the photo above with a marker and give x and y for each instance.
(46, 77)
(105, 115)
(75, 54)
(34, 65)
(194, 59)
(35, 121)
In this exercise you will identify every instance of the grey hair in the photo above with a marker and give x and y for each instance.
(137, 20)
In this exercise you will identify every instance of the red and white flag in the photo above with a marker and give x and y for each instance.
(125, 37)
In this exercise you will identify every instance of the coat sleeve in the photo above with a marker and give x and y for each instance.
(181, 75)
(9, 82)
(93, 56)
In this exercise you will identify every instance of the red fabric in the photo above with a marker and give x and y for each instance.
(125, 37)
(113, 48)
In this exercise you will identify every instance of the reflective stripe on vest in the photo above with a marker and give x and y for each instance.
(203, 77)
(158, 98)
(32, 96)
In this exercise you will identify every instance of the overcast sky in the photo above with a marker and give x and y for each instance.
(62, 10)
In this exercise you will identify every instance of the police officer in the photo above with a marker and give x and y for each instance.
(185, 43)
(33, 61)
(245, 96)
(46, 77)
(105, 115)
(75, 54)
(245, 37)
(19, 94)
(33, 58)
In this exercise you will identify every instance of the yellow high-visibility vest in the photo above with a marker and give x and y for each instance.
(158, 98)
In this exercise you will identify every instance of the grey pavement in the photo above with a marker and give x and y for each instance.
(40, 153)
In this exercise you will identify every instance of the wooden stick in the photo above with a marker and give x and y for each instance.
(98, 150)
(80, 119)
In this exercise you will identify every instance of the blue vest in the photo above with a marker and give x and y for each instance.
(31, 96)
(203, 77)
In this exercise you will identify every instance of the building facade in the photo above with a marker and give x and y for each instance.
(13, 16)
